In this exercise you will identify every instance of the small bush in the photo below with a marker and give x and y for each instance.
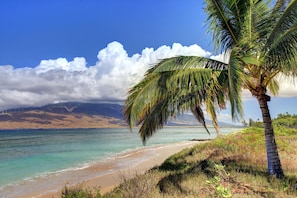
(79, 192)
(217, 184)
(139, 186)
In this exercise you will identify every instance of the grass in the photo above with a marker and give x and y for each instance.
(80, 192)
(228, 166)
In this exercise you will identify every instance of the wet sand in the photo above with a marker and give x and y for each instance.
(105, 174)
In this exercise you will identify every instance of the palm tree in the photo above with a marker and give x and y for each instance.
(260, 42)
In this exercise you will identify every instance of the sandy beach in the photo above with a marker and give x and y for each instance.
(104, 174)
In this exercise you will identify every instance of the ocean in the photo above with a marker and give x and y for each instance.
(29, 154)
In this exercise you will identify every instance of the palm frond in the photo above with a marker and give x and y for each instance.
(180, 97)
(169, 90)
(186, 62)
(199, 115)
(137, 97)
(236, 78)
(221, 23)
(211, 110)
(264, 20)
(273, 86)
(284, 16)
(180, 93)
(154, 119)
(283, 52)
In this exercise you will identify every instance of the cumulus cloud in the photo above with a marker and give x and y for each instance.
(62, 80)
(109, 79)
(288, 86)
(223, 57)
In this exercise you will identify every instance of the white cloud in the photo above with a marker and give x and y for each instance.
(288, 86)
(223, 57)
(109, 79)
(62, 80)
(78, 64)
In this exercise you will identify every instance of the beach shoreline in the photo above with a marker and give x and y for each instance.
(104, 174)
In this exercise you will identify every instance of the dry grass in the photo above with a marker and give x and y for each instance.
(229, 166)
(193, 173)
(79, 191)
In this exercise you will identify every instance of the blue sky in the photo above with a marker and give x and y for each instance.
(94, 50)
(34, 30)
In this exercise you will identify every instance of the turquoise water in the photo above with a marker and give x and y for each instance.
(26, 154)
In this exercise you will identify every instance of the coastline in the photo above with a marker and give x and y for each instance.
(104, 174)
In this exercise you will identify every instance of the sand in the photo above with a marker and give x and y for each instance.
(105, 174)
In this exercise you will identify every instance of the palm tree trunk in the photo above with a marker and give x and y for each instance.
(273, 160)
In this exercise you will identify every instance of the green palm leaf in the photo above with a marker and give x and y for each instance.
(221, 23)
(174, 86)
(236, 77)
(284, 18)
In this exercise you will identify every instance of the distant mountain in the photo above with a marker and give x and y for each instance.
(64, 115)
(75, 115)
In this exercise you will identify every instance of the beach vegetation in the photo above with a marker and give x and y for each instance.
(258, 42)
(139, 186)
(79, 191)
(228, 166)
(257, 123)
